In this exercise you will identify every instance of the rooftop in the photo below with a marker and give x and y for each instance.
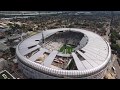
(3, 47)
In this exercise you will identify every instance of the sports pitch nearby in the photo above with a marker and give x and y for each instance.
(66, 49)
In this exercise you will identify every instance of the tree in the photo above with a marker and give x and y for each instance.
(115, 47)
(13, 27)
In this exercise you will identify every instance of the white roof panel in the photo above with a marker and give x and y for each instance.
(93, 58)
(92, 62)
(29, 50)
(98, 53)
(37, 55)
(86, 64)
(78, 63)
(95, 54)
(50, 58)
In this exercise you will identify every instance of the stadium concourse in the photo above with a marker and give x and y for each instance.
(64, 53)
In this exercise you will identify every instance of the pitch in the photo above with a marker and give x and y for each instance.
(66, 49)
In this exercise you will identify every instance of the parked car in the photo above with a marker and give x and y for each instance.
(114, 70)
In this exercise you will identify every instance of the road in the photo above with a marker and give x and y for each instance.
(117, 67)
(106, 37)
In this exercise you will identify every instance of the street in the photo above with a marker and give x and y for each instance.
(106, 37)
(117, 67)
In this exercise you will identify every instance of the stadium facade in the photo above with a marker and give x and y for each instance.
(39, 56)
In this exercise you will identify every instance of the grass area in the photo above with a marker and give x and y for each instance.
(66, 49)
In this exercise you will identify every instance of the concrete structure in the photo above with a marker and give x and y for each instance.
(88, 61)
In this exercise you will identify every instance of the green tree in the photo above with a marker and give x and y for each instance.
(115, 47)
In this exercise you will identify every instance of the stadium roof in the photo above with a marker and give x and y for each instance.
(97, 52)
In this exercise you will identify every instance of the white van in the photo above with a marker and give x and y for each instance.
(114, 70)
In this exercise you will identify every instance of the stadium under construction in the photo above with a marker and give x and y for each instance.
(64, 53)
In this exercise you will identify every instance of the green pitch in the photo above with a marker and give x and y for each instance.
(66, 50)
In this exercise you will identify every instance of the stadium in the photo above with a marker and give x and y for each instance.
(64, 53)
